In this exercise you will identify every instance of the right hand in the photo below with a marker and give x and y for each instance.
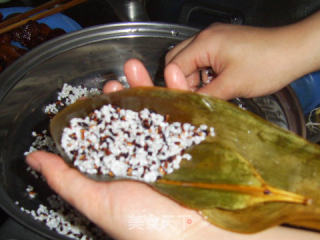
(248, 61)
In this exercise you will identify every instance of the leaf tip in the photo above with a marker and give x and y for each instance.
(308, 201)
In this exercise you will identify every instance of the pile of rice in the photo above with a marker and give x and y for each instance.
(137, 145)
(123, 143)
(58, 215)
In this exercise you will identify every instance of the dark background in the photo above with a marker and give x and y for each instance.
(196, 13)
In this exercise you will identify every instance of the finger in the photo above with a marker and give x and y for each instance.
(69, 183)
(221, 87)
(112, 86)
(179, 47)
(193, 80)
(192, 58)
(137, 74)
(174, 77)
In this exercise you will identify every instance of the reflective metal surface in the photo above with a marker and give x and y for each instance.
(130, 10)
(89, 57)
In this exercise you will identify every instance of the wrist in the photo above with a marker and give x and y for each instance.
(305, 44)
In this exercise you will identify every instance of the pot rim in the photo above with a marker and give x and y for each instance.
(11, 75)
(15, 72)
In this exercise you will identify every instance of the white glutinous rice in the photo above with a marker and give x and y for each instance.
(68, 95)
(65, 220)
(124, 143)
(57, 215)
(30, 191)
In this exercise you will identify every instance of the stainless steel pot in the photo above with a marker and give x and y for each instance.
(90, 57)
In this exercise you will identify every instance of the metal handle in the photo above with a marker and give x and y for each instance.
(130, 10)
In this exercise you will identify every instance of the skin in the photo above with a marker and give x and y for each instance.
(112, 205)
(248, 62)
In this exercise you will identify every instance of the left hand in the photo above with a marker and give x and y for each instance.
(117, 206)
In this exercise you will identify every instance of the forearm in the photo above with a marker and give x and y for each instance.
(302, 41)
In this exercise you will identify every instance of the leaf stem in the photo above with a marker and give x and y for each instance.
(268, 193)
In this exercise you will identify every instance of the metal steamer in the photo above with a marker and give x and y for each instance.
(89, 57)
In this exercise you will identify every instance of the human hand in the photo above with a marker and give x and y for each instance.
(130, 210)
(248, 61)
(123, 209)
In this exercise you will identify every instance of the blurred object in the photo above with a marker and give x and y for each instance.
(307, 90)
(130, 10)
(17, 42)
(252, 12)
(313, 126)
(8, 54)
(26, 14)
(33, 33)
(21, 20)
(201, 15)
(57, 20)
(29, 36)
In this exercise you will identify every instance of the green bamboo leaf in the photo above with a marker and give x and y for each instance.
(250, 176)
(218, 177)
